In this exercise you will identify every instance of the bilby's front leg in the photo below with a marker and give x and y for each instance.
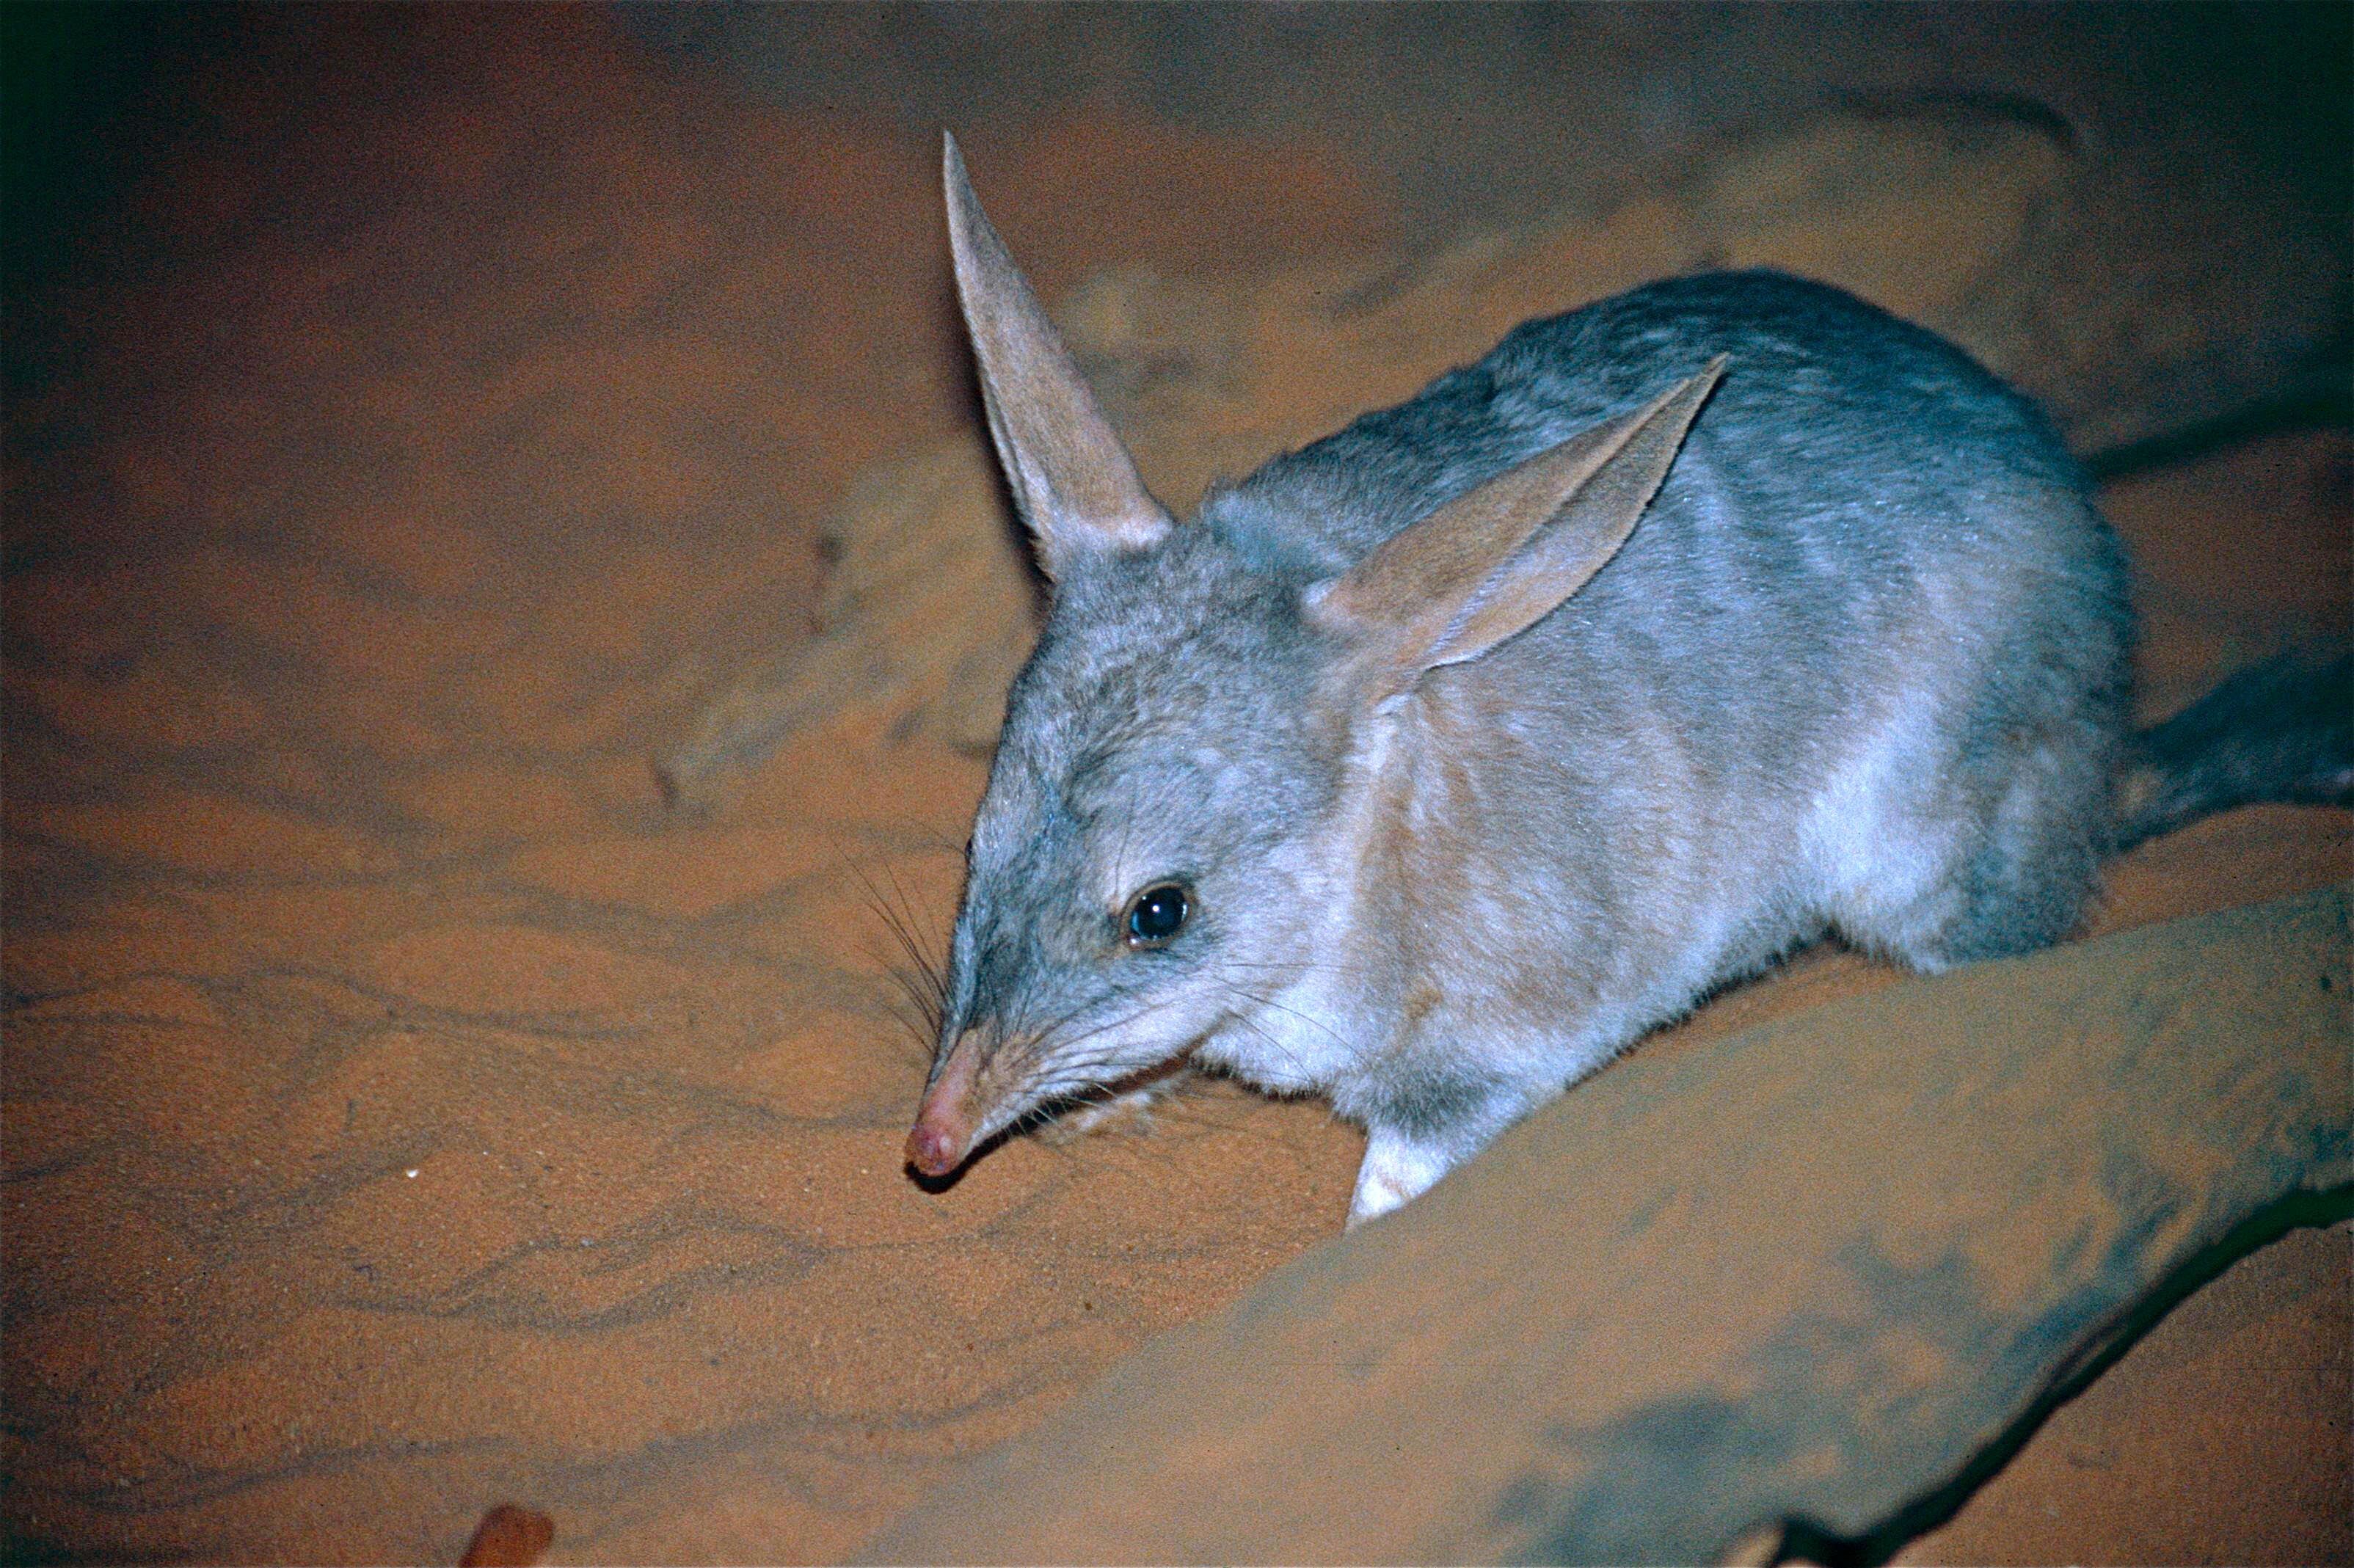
(1428, 1127)
(1398, 1169)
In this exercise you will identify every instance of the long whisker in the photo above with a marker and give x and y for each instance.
(1244, 1021)
(1043, 1037)
(1056, 1049)
(934, 966)
(1065, 1074)
(1312, 1022)
(902, 920)
(926, 989)
(921, 1026)
(921, 1042)
(917, 991)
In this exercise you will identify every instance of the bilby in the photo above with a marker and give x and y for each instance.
(1433, 764)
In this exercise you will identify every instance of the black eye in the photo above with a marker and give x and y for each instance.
(1157, 915)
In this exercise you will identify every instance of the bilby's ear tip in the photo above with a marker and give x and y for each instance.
(1074, 483)
(953, 178)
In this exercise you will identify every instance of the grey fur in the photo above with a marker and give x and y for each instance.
(1862, 667)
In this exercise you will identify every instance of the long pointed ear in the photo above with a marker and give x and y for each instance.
(1071, 480)
(1496, 559)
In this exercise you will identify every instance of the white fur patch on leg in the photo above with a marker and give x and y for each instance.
(1397, 1170)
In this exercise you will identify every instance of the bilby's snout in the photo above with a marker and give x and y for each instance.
(943, 1134)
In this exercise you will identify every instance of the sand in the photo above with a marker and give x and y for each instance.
(407, 1110)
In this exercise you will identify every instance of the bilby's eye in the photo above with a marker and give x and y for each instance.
(1156, 915)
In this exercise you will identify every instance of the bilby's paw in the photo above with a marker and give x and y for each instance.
(1397, 1170)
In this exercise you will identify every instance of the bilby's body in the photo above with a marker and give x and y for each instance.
(1432, 765)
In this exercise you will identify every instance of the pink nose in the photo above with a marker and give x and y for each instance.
(935, 1146)
(942, 1135)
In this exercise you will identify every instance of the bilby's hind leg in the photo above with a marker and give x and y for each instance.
(2017, 880)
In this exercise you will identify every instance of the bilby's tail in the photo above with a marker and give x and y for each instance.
(2281, 730)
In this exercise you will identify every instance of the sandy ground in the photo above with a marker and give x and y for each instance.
(405, 1111)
